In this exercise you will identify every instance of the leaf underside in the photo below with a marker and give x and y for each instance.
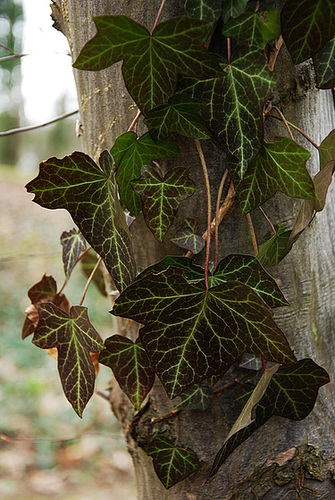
(187, 238)
(73, 244)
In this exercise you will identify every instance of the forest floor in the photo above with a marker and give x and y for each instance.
(46, 451)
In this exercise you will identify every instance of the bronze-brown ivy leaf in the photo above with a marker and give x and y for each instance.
(73, 244)
(161, 197)
(131, 367)
(88, 192)
(75, 338)
(187, 238)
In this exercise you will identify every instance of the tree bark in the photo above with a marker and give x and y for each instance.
(306, 277)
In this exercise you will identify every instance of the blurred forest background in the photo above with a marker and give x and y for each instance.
(46, 451)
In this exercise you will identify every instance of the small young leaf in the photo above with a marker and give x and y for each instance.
(131, 367)
(87, 191)
(291, 393)
(151, 62)
(307, 26)
(257, 28)
(180, 116)
(73, 244)
(43, 291)
(275, 248)
(232, 8)
(324, 65)
(74, 337)
(171, 463)
(130, 153)
(187, 238)
(279, 166)
(234, 103)
(161, 197)
(196, 397)
(206, 10)
(327, 149)
(191, 333)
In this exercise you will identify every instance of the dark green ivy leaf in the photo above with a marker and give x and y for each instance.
(73, 244)
(279, 166)
(243, 268)
(187, 238)
(307, 26)
(130, 153)
(207, 10)
(151, 62)
(324, 65)
(191, 333)
(232, 8)
(275, 248)
(196, 397)
(327, 149)
(233, 111)
(161, 197)
(180, 116)
(172, 463)
(257, 28)
(131, 367)
(88, 192)
(74, 337)
(291, 393)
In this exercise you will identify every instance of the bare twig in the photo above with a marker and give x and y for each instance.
(88, 282)
(252, 234)
(216, 228)
(268, 220)
(284, 120)
(11, 57)
(295, 128)
(34, 127)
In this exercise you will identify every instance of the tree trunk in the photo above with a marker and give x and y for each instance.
(306, 277)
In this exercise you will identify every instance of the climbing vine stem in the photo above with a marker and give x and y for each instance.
(89, 279)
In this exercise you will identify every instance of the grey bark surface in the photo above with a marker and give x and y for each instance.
(306, 277)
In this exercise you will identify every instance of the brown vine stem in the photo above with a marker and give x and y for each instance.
(268, 220)
(228, 50)
(295, 128)
(284, 120)
(158, 16)
(252, 234)
(216, 228)
(84, 252)
(209, 208)
(224, 210)
(89, 279)
(135, 120)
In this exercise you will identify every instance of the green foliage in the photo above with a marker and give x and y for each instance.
(150, 62)
(195, 324)
(130, 153)
(161, 197)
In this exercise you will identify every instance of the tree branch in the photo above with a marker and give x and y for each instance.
(34, 127)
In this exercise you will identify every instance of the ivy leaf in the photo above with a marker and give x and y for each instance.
(74, 337)
(255, 27)
(322, 181)
(279, 166)
(233, 112)
(172, 463)
(291, 393)
(87, 191)
(180, 116)
(324, 65)
(187, 238)
(151, 62)
(232, 8)
(130, 153)
(44, 290)
(88, 263)
(191, 333)
(161, 197)
(275, 248)
(196, 397)
(73, 244)
(207, 10)
(243, 268)
(327, 149)
(307, 26)
(131, 367)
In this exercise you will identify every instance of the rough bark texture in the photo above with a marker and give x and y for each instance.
(306, 275)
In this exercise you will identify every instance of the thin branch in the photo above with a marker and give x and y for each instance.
(11, 57)
(252, 234)
(216, 229)
(268, 220)
(158, 16)
(284, 120)
(34, 127)
(209, 208)
(7, 49)
(88, 282)
(228, 50)
(135, 120)
(295, 128)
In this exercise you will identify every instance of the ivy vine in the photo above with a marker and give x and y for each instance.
(196, 321)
